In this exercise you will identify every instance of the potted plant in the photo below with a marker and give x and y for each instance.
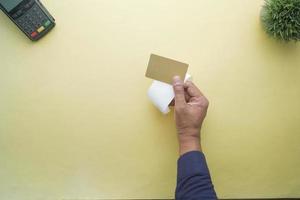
(281, 19)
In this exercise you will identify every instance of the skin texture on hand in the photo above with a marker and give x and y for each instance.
(190, 111)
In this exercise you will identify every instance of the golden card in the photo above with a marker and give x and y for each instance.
(164, 69)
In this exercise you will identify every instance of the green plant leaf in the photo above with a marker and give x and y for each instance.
(281, 19)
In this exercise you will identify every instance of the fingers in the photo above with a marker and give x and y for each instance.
(187, 99)
(179, 91)
(172, 103)
(187, 96)
(184, 92)
(192, 89)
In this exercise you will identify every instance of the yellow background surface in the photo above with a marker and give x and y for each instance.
(75, 121)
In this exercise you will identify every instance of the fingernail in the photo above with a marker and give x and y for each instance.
(176, 79)
(187, 83)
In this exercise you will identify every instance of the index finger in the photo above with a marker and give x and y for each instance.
(192, 89)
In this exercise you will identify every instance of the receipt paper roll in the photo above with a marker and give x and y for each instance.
(161, 94)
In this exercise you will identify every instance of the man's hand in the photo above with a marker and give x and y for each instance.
(190, 110)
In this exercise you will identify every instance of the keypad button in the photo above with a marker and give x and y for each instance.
(27, 6)
(33, 34)
(47, 23)
(41, 29)
(19, 12)
(15, 16)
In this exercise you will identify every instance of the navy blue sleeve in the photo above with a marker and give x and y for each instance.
(193, 178)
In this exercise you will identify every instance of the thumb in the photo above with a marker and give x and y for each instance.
(179, 91)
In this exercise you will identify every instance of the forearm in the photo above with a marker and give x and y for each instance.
(189, 142)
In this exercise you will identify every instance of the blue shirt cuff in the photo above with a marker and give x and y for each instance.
(192, 163)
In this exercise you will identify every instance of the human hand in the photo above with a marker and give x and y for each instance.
(190, 110)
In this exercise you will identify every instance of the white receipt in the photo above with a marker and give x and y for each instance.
(161, 94)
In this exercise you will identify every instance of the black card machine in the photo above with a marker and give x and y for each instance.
(30, 16)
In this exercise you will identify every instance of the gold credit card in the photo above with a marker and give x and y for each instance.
(164, 69)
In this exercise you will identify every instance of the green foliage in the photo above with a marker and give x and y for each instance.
(281, 19)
